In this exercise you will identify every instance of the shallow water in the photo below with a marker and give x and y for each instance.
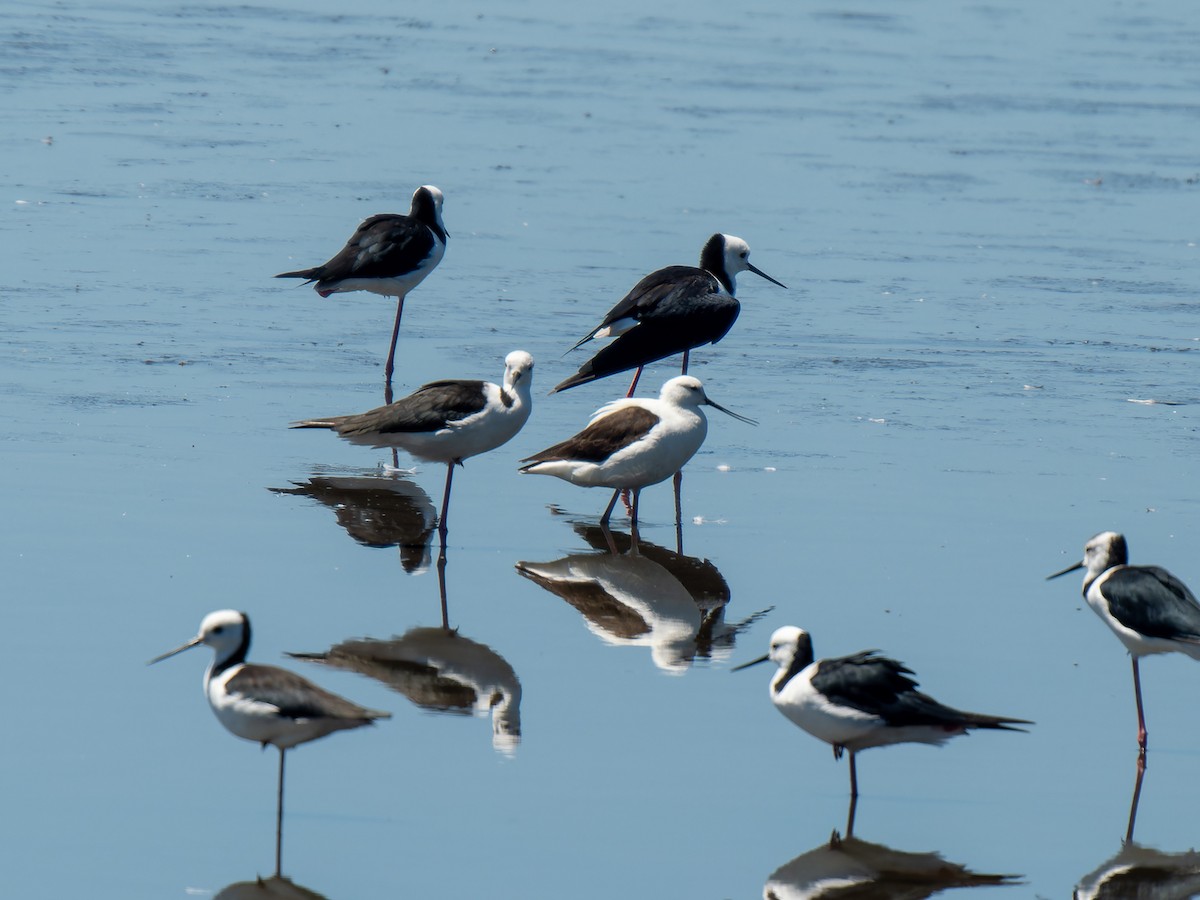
(986, 219)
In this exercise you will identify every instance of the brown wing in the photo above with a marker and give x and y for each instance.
(602, 438)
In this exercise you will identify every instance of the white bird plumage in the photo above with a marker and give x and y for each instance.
(445, 421)
(266, 704)
(631, 443)
(1147, 608)
(388, 254)
(860, 701)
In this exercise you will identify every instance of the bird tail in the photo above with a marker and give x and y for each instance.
(583, 376)
(1000, 723)
(583, 340)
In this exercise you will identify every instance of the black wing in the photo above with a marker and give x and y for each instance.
(429, 408)
(648, 293)
(882, 687)
(381, 247)
(296, 697)
(1153, 602)
(602, 438)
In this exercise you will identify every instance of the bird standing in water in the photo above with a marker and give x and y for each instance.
(267, 704)
(860, 701)
(1147, 608)
(388, 254)
(630, 444)
(445, 421)
(671, 310)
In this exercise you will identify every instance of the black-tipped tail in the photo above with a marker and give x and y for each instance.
(308, 274)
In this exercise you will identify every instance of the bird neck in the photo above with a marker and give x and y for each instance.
(712, 261)
(237, 656)
(516, 396)
(1092, 577)
(801, 661)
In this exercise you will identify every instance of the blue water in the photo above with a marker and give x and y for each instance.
(986, 217)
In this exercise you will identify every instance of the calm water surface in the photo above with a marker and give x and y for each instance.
(986, 217)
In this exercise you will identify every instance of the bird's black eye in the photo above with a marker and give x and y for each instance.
(218, 629)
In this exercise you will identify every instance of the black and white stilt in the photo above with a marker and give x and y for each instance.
(267, 704)
(388, 254)
(1147, 608)
(672, 310)
(445, 421)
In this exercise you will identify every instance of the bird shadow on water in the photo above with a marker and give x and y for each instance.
(1137, 871)
(439, 670)
(379, 510)
(851, 867)
(277, 887)
(667, 601)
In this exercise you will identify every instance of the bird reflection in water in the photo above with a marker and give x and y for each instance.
(439, 670)
(275, 888)
(671, 603)
(377, 511)
(849, 867)
(1138, 872)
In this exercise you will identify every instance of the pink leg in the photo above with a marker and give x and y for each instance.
(391, 360)
(1137, 691)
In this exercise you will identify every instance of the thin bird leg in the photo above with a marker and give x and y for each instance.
(633, 531)
(683, 371)
(853, 809)
(391, 360)
(608, 539)
(445, 503)
(853, 776)
(678, 482)
(608, 509)
(279, 819)
(441, 567)
(625, 501)
(633, 384)
(1137, 691)
(1137, 795)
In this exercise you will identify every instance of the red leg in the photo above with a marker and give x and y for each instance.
(633, 384)
(1137, 691)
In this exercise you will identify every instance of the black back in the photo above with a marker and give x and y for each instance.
(1153, 602)
(429, 408)
(383, 246)
(882, 687)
